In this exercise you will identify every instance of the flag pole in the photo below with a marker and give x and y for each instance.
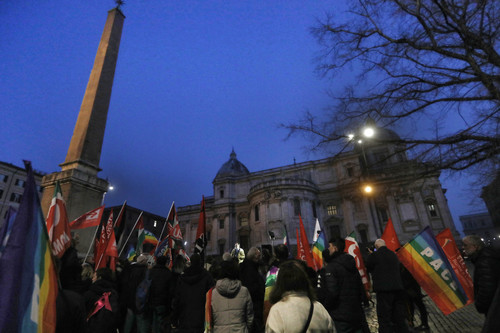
(119, 214)
(164, 224)
(130, 234)
(91, 243)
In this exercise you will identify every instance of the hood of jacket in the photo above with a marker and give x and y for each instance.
(345, 260)
(193, 275)
(228, 288)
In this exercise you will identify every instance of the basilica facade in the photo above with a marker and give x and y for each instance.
(258, 208)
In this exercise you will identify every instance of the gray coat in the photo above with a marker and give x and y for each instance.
(232, 309)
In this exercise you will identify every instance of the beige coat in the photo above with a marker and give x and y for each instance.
(290, 315)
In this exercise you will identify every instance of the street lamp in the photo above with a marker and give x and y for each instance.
(368, 189)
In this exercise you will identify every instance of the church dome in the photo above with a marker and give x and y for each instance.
(232, 168)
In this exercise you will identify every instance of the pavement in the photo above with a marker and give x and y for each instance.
(464, 320)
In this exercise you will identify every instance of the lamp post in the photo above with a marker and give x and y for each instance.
(367, 132)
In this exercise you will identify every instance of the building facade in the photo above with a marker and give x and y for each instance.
(480, 224)
(12, 183)
(247, 207)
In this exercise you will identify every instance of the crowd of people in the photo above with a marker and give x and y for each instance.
(256, 292)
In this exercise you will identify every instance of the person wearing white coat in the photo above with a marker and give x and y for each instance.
(292, 298)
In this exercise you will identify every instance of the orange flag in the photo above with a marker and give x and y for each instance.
(305, 245)
(450, 249)
(390, 237)
(58, 224)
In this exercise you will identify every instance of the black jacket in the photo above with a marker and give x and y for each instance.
(161, 286)
(130, 279)
(383, 265)
(343, 290)
(486, 277)
(104, 320)
(189, 300)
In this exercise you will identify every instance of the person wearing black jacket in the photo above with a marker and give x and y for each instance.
(486, 260)
(102, 316)
(342, 290)
(384, 266)
(161, 295)
(254, 282)
(189, 301)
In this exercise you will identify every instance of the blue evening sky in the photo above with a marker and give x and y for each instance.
(194, 79)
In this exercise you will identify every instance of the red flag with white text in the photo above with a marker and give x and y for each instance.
(449, 246)
(87, 220)
(58, 224)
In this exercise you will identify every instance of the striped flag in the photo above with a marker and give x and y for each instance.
(150, 238)
(318, 246)
(352, 247)
(426, 261)
(27, 274)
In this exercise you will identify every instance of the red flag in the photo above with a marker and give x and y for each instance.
(450, 249)
(352, 247)
(58, 224)
(89, 219)
(100, 255)
(201, 240)
(300, 250)
(305, 245)
(390, 237)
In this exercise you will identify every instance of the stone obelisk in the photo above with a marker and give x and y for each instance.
(82, 189)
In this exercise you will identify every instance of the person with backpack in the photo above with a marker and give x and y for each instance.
(160, 295)
(135, 320)
(101, 303)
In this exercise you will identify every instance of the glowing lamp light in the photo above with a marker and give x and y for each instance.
(154, 224)
(368, 132)
(368, 189)
(350, 136)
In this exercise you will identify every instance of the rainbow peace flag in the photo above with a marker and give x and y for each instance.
(150, 238)
(317, 250)
(426, 261)
(27, 275)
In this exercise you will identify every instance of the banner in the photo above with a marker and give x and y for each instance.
(87, 220)
(447, 242)
(352, 247)
(426, 261)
